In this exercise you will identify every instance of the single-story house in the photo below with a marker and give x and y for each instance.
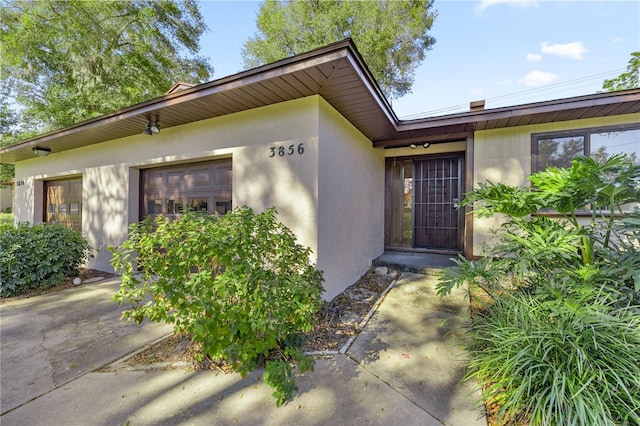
(314, 136)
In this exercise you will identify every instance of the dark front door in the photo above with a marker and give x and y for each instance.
(437, 191)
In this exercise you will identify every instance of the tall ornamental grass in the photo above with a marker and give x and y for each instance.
(558, 364)
(556, 332)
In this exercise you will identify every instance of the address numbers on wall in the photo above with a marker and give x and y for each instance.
(282, 151)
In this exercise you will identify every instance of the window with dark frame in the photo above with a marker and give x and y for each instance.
(558, 149)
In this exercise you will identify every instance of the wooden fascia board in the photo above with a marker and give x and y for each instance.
(522, 110)
(149, 108)
(360, 69)
(442, 138)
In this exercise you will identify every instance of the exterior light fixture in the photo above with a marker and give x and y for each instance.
(41, 152)
(424, 145)
(152, 128)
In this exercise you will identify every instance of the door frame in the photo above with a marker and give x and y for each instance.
(465, 216)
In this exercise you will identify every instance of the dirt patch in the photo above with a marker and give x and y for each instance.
(336, 323)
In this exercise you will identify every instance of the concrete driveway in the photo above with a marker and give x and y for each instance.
(52, 339)
(404, 368)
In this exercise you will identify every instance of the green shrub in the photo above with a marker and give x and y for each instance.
(568, 363)
(238, 284)
(38, 256)
(6, 221)
(558, 340)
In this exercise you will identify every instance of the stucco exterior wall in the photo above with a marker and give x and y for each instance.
(504, 155)
(350, 201)
(111, 171)
(304, 158)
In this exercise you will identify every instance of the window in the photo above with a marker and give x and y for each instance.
(63, 201)
(559, 148)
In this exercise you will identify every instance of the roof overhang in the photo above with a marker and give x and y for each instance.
(335, 72)
(455, 126)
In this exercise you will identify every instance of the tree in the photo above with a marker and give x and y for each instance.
(8, 125)
(627, 80)
(73, 60)
(391, 35)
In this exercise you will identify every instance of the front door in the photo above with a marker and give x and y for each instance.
(421, 199)
(437, 194)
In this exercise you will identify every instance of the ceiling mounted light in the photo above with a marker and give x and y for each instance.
(413, 146)
(426, 145)
(152, 128)
(41, 152)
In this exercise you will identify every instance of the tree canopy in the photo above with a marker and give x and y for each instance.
(67, 61)
(392, 36)
(627, 80)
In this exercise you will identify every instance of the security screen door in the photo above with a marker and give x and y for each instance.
(437, 194)
(421, 199)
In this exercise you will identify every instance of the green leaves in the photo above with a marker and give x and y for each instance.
(558, 341)
(557, 366)
(38, 256)
(627, 80)
(69, 61)
(391, 35)
(239, 284)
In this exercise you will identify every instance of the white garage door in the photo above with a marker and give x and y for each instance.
(197, 186)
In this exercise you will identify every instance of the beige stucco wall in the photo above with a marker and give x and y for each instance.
(433, 149)
(350, 201)
(111, 175)
(504, 155)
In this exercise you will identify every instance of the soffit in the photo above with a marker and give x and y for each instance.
(336, 72)
(456, 126)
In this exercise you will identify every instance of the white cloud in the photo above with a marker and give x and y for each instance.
(538, 78)
(618, 39)
(534, 57)
(503, 82)
(476, 91)
(573, 50)
(485, 4)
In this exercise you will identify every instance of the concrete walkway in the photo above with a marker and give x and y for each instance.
(403, 369)
(52, 339)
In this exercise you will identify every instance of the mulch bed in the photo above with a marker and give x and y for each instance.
(336, 323)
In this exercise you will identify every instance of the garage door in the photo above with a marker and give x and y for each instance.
(63, 202)
(198, 187)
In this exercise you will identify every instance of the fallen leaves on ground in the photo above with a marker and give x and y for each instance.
(338, 321)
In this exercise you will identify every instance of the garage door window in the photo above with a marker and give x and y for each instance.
(202, 187)
(63, 199)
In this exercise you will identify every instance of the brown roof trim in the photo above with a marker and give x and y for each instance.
(442, 128)
(336, 72)
(227, 95)
(579, 102)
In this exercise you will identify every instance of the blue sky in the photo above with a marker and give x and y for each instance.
(506, 52)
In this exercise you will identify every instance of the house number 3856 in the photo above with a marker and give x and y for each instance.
(281, 151)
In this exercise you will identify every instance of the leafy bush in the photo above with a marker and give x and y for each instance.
(238, 284)
(38, 256)
(6, 221)
(558, 338)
